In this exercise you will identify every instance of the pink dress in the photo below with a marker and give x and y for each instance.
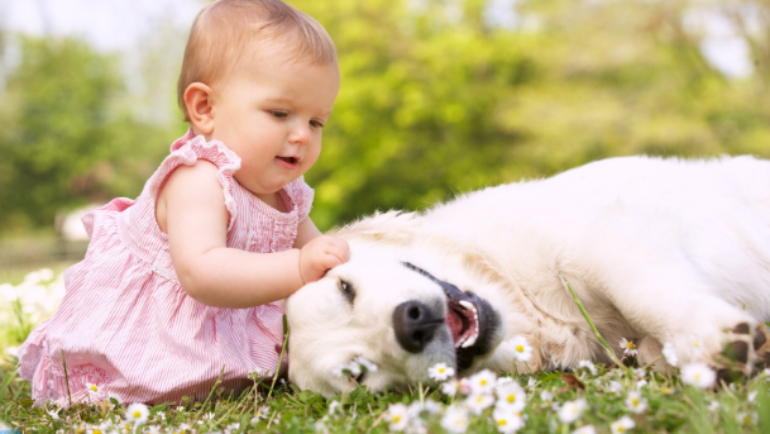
(128, 327)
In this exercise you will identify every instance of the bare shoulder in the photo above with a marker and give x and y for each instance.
(186, 186)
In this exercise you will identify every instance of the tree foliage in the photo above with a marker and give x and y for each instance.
(437, 99)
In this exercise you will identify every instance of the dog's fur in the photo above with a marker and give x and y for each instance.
(657, 250)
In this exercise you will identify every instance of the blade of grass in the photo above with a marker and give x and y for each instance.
(591, 324)
(280, 358)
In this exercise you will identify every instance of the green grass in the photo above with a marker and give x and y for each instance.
(672, 408)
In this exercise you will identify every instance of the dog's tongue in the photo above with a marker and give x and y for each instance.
(458, 321)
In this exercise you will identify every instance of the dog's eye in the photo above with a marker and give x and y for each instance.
(347, 290)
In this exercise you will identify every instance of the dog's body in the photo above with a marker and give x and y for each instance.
(657, 251)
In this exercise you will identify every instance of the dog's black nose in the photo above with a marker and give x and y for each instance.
(415, 325)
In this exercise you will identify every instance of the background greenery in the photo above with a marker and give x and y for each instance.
(437, 99)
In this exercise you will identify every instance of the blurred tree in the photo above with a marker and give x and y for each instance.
(61, 140)
(438, 99)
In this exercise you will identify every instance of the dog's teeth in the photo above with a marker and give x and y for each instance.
(470, 341)
(468, 305)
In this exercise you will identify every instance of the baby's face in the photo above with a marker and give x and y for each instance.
(271, 115)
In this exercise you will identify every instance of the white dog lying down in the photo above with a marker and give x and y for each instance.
(658, 251)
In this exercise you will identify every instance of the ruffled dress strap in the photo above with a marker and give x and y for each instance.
(187, 150)
(302, 196)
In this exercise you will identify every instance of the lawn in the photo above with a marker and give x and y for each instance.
(591, 399)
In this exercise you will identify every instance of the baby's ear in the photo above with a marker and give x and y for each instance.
(199, 101)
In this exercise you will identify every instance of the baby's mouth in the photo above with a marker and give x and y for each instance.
(292, 161)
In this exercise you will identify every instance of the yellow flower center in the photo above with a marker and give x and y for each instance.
(630, 345)
(511, 398)
(483, 382)
(396, 418)
(520, 348)
(97, 431)
(621, 429)
(502, 422)
(137, 414)
(696, 344)
(94, 388)
(80, 431)
(441, 370)
(635, 402)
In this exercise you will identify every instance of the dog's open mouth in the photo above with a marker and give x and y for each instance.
(475, 326)
(463, 321)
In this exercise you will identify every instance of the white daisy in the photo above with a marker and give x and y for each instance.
(522, 350)
(54, 413)
(455, 419)
(478, 402)
(615, 388)
(698, 375)
(587, 429)
(507, 421)
(367, 364)
(137, 413)
(450, 387)
(570, 411)
(587, 364)
(334, 407)
(747, 419)
(546, 396)
(398, 417)
(93, 389)
(629, 348)
(511, 395)
(483, 382)
(669, 353)
(440, 372)
(622, 425)
(636, 403)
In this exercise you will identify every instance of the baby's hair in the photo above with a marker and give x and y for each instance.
(225, 29)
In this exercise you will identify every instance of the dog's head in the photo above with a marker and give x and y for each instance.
(391, 313)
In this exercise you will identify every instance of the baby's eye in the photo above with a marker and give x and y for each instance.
(279, 114)
(317, 124)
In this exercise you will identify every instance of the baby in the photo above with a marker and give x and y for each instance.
(183, 284)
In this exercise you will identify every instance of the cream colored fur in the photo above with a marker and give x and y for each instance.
(658, 250)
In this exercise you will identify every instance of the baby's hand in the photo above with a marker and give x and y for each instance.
(320, 254)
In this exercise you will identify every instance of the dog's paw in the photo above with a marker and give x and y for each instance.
(762, 346)
(744, 347)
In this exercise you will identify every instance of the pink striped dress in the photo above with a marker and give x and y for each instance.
(128, 327)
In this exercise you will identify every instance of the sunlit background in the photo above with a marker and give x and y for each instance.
(439, 97)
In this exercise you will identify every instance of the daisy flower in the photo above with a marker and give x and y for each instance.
(334, 407)
(137, 413)
(698, 375)
(440, 372)
(478, 402)
(398, 417)
(629, 348)
(54, 413)
(571, 410)
(636, 403)
(483, 382)
(622, 425)
(507, 421)
(670, 354)
(587, 429)
(522, 350)
(615, 388)
(587, 364)
(747, 419)
(546, 396)
(455, 419)
(93, 389)
(511, 395)
(450, 387)
(365, 363)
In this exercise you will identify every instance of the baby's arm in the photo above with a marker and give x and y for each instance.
(191, 211)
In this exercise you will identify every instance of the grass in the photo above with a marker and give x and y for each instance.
(278, 407)
(672, 407)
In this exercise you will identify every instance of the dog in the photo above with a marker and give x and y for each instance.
(658, 251)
